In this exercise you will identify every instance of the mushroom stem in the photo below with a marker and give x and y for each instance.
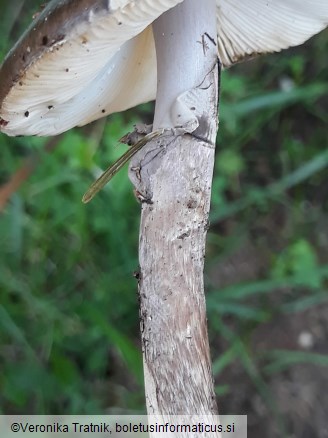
(185, 39)
(173, 173)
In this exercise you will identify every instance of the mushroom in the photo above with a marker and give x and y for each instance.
(82, 60)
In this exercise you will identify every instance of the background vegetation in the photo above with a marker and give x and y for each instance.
(69, 330)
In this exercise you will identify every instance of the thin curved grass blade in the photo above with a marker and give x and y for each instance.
(108, 174)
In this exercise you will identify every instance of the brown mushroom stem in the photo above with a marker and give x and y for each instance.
(174, 174)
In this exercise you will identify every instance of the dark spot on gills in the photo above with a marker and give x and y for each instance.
(3, 122)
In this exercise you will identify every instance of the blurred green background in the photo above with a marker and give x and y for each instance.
(69, 330)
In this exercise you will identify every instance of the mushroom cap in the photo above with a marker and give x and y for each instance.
(82, 60)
